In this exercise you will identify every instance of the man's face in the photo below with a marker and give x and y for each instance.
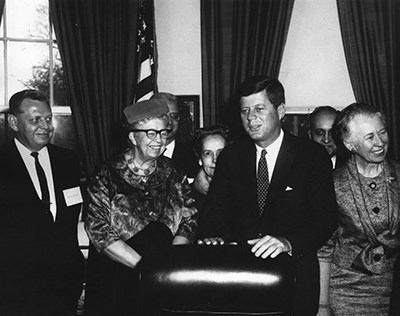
(321, 131)
(33, 127)
(260, 119)
(173, 120)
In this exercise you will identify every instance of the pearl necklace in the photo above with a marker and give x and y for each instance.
(138, 170)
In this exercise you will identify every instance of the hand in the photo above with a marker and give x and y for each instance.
(211, 241)
(269, 246)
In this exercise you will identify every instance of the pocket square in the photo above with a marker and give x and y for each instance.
(289, 189)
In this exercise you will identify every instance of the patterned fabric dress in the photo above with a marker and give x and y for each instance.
(363, 249)
(122, 204)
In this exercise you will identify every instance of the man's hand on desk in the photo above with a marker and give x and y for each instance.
(269, 246)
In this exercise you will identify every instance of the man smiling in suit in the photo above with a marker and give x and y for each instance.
(273, 192)
(41, 270)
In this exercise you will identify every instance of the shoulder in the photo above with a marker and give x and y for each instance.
(62, 155)
(303, 146)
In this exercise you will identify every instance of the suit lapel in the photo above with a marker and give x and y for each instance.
(283, 167)
(247, 165)
(20, 173)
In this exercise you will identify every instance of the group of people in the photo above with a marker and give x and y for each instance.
(334, 208)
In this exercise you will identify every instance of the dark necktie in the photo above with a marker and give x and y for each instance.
(262, 181)
(42, 180)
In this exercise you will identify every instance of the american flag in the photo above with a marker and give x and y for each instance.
(146, 75)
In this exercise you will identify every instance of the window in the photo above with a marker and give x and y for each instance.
(29, 55)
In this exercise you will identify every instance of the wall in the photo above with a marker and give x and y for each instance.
(313, 70)
(179, 49)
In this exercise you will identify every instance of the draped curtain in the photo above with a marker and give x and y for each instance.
(240, 38)
(371, 38)
(97, 42)
(2, 2)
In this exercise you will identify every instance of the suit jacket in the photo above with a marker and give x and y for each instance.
(41, 260)
(184, 159)
(300, 206)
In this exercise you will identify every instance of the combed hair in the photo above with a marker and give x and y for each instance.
(170, 98)
(341, 125)
(273, 88)
(200, 134)
(318, 110)
(17, 98)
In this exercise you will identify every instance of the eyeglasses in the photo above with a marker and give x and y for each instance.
(152, 133)
(175, 116)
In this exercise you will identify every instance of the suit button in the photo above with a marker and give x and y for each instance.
(376, 210)
(377, 258)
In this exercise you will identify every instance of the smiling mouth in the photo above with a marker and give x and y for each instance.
(254, 128)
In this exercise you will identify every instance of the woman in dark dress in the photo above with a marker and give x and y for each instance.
(208, 143)
(357, 263)
(139, 207)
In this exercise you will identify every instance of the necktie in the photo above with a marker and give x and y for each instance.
(262, 181)
(42, 179)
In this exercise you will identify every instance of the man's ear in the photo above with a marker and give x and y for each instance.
(309, 134)
(281, 111)
(200, 162)
(131, 137)
(12, 121)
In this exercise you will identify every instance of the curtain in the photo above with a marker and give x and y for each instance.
(371, 39)
(2, 2)
(97, 42)
(240, 38)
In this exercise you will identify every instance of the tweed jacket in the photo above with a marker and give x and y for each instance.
(122, 205)
(358, 239)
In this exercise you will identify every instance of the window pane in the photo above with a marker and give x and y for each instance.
(58, 78)
(28, 65)
(27, 18)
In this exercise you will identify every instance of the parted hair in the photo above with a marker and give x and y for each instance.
(341, 125)
(17, 98)
(200, 134)
(273, 88)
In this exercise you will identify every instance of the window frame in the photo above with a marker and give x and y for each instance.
(50, 41)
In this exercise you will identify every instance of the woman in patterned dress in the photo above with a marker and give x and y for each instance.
(357, 263)
(139, 207)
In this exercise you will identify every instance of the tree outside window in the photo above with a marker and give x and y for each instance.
(29, 55)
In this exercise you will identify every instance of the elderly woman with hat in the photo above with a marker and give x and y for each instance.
(139, 207)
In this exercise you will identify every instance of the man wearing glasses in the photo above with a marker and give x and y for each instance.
(182, 154)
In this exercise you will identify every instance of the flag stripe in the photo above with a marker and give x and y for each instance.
(146, 84)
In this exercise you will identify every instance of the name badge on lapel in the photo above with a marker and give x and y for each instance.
(73, 196)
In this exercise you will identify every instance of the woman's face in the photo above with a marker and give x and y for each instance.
(368, 138)
(146, 148)
(212, 147)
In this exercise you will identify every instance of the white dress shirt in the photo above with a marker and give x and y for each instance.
(272, 154)
(44, 160)
(169, 149)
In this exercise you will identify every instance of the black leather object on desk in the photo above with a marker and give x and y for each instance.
(219, 280)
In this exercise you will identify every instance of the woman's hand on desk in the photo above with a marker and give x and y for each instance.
(211, 241)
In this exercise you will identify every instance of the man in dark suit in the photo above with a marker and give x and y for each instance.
(41, 270)
(284, 203)
(321, 131)
(182, 154)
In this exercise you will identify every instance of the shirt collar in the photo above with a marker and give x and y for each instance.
(25, 152)
(274, 147)
(169, 149)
